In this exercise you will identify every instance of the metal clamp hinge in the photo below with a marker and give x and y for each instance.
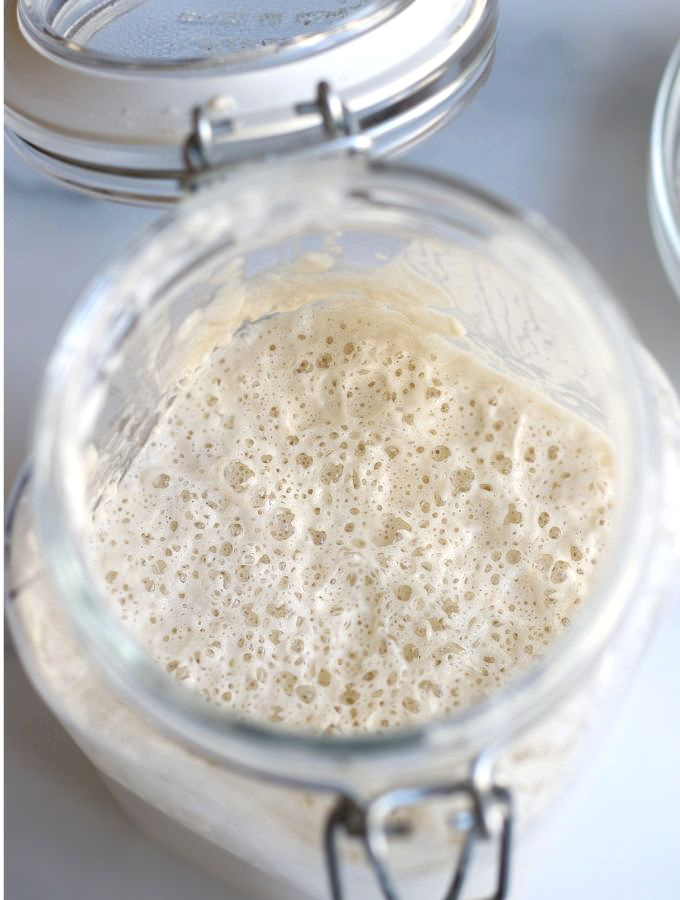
(210, 126)
(337, 120)
(488, 816)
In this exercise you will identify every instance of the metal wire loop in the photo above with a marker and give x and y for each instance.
(489, 817)
(210, 126)
(337, 119)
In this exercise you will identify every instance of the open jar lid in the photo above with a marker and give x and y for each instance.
(129, 98)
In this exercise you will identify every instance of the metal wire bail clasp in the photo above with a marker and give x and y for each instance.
(208, 124)
(340, 125)
(214, 127)
(336, 117)
(488, 816)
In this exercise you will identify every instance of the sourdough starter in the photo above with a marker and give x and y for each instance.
(346, 523)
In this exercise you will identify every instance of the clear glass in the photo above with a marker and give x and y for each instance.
(168, 33)
(138, 129)
(530, 308)
(664, 176)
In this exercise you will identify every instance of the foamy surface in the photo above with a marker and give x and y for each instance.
(345, 522)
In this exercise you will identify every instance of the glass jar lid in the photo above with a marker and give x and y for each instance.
(131, 98)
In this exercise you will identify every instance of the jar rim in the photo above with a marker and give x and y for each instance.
(310, 758)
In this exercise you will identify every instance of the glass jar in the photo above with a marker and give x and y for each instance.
(401, 809)
(664, 170)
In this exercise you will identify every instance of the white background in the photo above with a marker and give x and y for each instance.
(562, 126)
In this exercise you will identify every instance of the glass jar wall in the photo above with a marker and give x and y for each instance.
(529, 308)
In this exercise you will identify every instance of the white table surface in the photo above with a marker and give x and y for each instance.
(562, 126)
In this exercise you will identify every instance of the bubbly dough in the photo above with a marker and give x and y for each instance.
(346, 523)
